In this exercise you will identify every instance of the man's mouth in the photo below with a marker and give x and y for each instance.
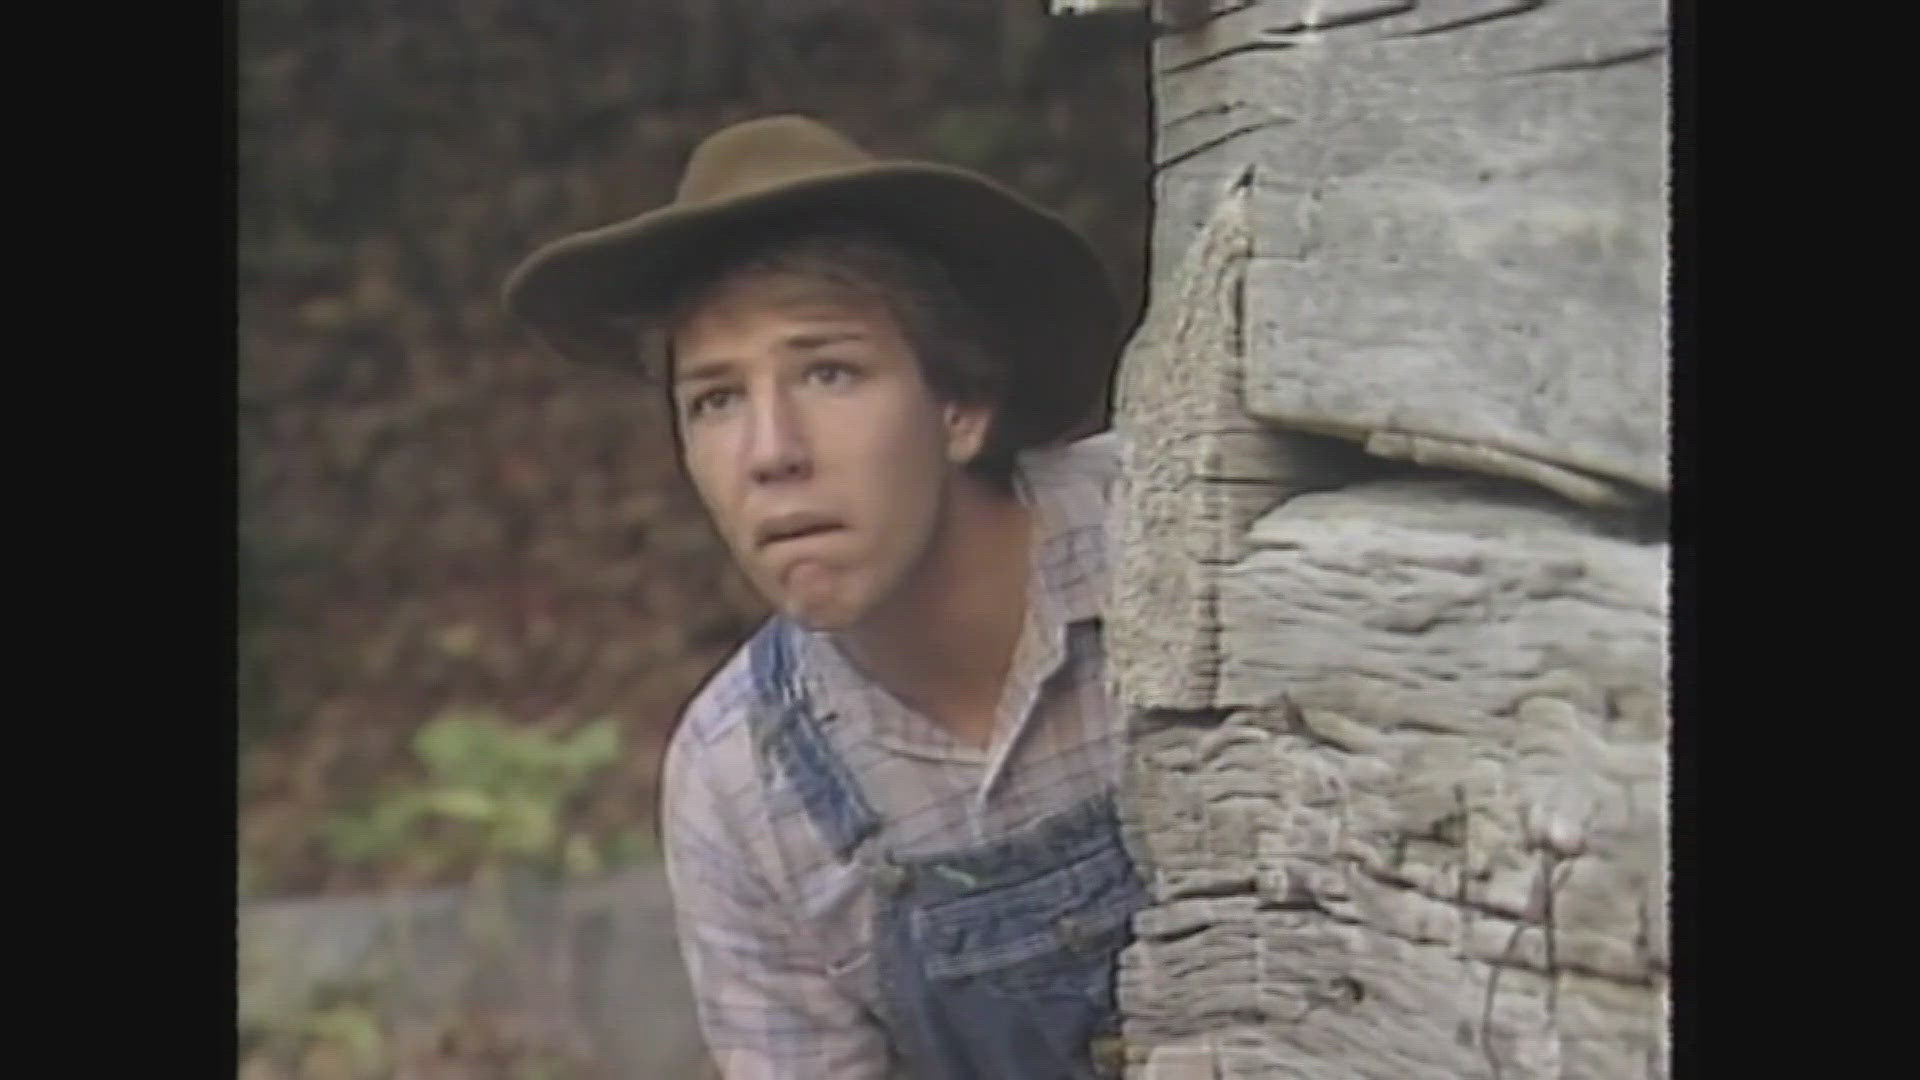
(794, 527)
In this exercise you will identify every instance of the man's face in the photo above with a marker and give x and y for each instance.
(818, 449)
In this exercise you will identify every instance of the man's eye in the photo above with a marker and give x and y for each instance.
(831, 374)
(708, 401)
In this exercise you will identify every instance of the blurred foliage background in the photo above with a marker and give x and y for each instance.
(468, 572)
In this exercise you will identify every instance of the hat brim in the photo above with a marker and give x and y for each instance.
(1017, 262)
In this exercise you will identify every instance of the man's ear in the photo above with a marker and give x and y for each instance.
(966, 430)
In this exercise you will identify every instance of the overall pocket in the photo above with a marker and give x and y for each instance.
(1024, 971)
(1053, 934)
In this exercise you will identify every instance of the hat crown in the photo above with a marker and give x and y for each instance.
(764, 153)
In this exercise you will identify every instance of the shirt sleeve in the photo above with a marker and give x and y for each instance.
(765, 1005)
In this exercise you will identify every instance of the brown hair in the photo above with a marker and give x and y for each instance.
(961, 353)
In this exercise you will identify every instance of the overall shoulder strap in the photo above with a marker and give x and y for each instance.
(788, 738)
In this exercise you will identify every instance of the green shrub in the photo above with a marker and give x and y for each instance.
(493, 797)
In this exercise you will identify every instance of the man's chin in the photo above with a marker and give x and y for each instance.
(819, 597)
(822, 614)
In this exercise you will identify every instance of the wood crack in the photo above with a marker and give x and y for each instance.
(1200, 719)
(1237, 50)
(1385, 10)
(1219, 109)
(1216, 889)
(1519, 8)
(1606, 60)
(1541, 907)
(1381, 875)
(1172, 936)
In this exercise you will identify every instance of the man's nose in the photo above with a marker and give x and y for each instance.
(776, 440)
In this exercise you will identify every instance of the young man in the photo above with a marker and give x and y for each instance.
(888, 818)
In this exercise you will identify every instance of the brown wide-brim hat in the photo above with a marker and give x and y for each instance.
(584, 294)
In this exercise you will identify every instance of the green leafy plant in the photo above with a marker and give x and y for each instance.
(494, 797)
(493, 800)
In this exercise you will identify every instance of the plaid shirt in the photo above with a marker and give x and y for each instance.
(776, 933)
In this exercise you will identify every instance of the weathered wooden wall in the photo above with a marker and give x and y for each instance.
(1390, 620)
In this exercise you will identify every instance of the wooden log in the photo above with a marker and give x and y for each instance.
(1397, 761)
(1459, 217)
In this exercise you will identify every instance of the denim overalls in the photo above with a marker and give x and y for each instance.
(994, 962)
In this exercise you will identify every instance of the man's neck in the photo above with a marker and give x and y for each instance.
(945, 641)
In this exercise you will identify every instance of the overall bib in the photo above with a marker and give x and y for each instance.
(994, 962)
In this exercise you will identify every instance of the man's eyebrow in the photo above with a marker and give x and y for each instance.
(702, 371)
(817, 338)
(805, 341)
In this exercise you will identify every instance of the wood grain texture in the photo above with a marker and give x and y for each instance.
(1460, 213)
(1442, 602)
(1397, 746)
(1196, 470)
(1335, 897)
(1493, 461)
(1422, 832)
